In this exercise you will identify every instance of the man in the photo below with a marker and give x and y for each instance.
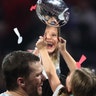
(23, 74)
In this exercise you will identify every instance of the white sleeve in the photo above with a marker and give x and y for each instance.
(57, 90)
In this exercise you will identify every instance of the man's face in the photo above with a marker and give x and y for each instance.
(51, 37)
(35, 81)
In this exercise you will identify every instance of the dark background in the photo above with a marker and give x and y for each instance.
(80, 31)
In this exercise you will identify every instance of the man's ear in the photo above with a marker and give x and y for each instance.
(20, 81)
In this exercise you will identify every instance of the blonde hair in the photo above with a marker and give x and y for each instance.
(55, 55)
(83, 82)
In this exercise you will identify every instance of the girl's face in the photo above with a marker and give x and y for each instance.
(51, 37)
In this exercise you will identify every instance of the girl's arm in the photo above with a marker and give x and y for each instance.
(71, 63)
(48, 64)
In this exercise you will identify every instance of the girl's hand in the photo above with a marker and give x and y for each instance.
(62, 44)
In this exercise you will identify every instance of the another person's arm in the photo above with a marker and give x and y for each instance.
(48, 64)
(71, 63)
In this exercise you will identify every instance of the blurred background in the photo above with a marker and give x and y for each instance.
(80, 31)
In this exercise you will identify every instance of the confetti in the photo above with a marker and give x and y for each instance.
(82, 59)
(20, 39)
(33, 7)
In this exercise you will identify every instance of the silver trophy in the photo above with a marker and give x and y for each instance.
(52, 12)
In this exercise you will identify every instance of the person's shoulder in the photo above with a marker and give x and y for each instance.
(4, 94)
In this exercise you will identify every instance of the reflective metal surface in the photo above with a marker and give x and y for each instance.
(52, 12)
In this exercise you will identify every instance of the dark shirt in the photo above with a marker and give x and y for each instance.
(64, 72)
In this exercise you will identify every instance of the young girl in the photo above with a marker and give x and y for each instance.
(51, 37)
